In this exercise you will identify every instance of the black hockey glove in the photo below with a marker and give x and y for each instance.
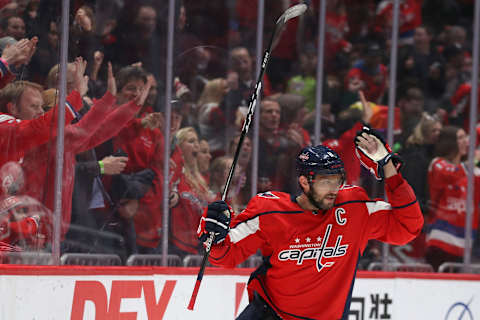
(216, 219)
(375, 161)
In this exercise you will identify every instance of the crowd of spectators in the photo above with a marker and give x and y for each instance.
(113, 179)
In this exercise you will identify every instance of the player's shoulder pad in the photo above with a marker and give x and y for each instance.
(273, 195)
(350, 193)
(266, 201)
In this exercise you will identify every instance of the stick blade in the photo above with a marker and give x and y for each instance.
(293, 12)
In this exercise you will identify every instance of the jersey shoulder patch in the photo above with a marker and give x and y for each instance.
(268, 195)
(352, 192)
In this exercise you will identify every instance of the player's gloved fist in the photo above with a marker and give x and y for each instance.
(373, 152)
(216, 219)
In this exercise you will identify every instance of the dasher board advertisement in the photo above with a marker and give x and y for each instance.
(107, 293)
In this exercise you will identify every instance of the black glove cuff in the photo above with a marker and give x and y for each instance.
(381, 163)
(396, 160)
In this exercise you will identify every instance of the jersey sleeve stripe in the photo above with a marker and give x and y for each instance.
(352, 201)
(222, 256)
(405, 205)
(376, 206)
(72, 110)
(244, 229)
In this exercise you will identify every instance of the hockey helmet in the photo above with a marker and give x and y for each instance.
(318, 160)
(11, 178)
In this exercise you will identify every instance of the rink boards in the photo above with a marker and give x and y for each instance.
(47, 292)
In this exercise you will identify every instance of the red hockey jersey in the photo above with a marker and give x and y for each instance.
(375, 84)
(313, 255)
(410, 16)
(18, 136)
(187, 212)
(145, 150)
(461, 104)
(448, 196)
(101, 123)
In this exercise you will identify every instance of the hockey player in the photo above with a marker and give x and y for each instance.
(311, 243)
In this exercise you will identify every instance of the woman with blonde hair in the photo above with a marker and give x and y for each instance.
(189, 193)
(211, 117)
(418, 154)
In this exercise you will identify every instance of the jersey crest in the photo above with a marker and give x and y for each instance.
(318, 250)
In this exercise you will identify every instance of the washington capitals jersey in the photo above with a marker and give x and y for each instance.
(312, 256)
(448, 205)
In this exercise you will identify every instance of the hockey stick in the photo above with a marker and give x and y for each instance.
(290, 13)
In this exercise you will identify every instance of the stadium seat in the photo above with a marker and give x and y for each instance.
(457, 267)
(153, 260)
(252, 262)
(193, 260)
(401, 267)
(90, 259)
(30, 258)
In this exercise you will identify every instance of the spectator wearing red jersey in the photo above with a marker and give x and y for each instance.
(337, 46)
(190, 193)
(98, 125)
(410, 18)
(460, 113)
(347, 125)
(369, 74)
(138, 187)
(23, 123)
(447, 181)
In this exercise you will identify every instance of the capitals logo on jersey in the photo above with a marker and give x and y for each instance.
(318, 250)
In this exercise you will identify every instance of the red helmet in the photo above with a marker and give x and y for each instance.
(24, 222)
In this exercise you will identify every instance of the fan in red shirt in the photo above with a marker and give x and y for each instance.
(103, 121)
(410, 18)
(189, 193)
(447, 181)
(35, 127)
(370, 74)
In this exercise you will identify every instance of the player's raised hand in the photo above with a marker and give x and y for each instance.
(374, 153)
